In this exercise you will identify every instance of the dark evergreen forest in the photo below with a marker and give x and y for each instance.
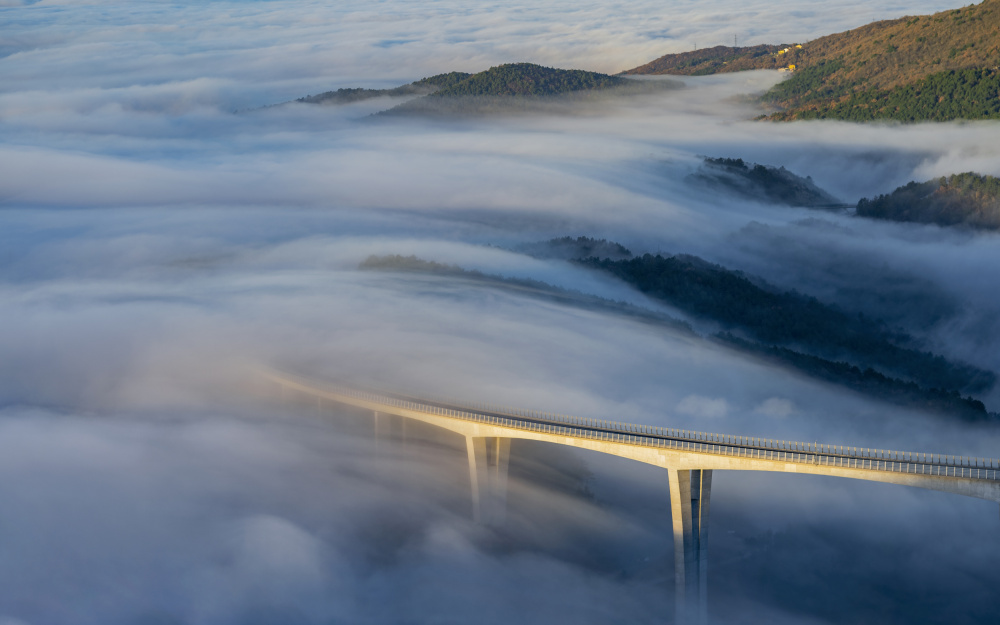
(962, 199)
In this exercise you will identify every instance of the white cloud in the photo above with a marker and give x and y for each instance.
(703, 407)
(777, 407)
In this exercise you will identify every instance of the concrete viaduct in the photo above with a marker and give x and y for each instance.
(688, 457)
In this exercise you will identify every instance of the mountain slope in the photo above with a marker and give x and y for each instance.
(931, 67)
(763, 183)
(424, 86)
(513, 86)
(717, 60)
(528, 79)
(789, 320)
(963, 199)
(524, 87)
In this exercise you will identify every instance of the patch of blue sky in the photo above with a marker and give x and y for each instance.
(389, 43)
(663, 33)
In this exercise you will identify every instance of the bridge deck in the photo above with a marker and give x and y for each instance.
(795, 456)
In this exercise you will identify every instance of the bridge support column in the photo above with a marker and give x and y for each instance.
(690, 494)
(389, 429)
(488, 460)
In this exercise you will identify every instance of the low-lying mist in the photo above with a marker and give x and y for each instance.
(157, 245)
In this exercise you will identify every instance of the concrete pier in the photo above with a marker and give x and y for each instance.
(690, 494)
(489, 458)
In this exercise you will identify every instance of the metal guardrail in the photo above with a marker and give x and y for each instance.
(688, 440)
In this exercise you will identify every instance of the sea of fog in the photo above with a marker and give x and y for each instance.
(161, 234)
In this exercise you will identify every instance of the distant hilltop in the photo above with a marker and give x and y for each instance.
(967, 199)
(424, 86)
(763, 183)
(503, 87)
(936, 67)
(721, 59)
(528, 79)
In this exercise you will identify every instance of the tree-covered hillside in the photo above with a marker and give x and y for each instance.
(504, 88)
(514, 79)
(929, 67)
(528, 79)
(946, 96)
(424, 86)
(962, 199)
(524, 87)
(788, 319)
(717, 60)
(443, 81)
(763, 183)
(568, 248)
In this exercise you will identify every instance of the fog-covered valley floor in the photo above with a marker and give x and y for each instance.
(162, 234)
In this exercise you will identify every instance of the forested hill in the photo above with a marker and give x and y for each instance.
(763, 183)
(513, 79)
(932, 67)
(716, 60)
(528, 79)
(967, 199)
(523, 87)
(568, 248)
(424, 86)
(514, 86)
(800, 331)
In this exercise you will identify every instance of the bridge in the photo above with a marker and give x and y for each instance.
(688, 457)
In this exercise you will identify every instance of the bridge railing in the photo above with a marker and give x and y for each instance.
(689, 440)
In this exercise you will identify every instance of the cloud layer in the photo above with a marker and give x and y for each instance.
(155, 244)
